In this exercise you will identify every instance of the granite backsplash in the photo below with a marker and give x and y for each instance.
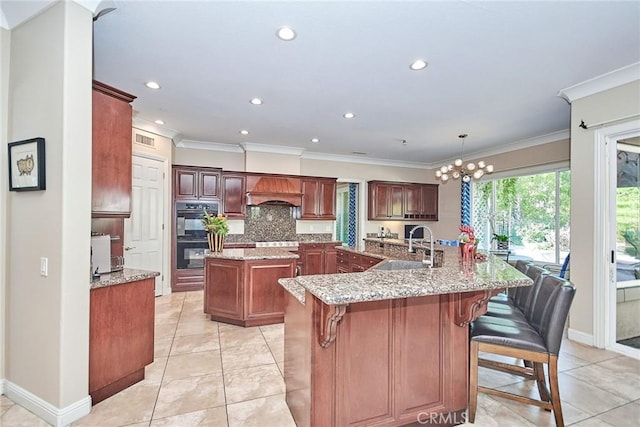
(273, 223)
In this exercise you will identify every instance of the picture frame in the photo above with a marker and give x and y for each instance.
(27, 165)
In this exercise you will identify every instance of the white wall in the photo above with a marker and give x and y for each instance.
(47, 334)
(5, 50)
(621, 101)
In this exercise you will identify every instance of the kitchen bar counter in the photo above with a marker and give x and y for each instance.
(127, 275)
(385, 347)
(452, 277)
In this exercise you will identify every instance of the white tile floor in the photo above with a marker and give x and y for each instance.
(212, 374)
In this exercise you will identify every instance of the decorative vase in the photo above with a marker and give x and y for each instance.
(216, 242)
(503, 246)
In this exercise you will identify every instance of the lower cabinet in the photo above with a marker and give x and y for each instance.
(246, 292)
(121, 322)
(351, 262)
(318, 258)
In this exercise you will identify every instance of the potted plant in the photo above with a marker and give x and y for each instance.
(217, 228)
(502, 241)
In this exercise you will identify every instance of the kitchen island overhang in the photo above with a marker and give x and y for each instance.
(385, 347)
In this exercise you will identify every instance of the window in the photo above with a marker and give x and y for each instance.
(531, 211)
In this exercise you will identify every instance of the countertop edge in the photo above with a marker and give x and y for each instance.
(127, 275)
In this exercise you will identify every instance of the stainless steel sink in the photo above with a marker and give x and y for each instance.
(400, 264)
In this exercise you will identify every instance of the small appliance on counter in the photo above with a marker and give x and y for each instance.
(101, 253)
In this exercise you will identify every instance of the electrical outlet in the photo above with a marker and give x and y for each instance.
(44, 266)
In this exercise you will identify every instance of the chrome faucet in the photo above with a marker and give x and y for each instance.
(429, 262)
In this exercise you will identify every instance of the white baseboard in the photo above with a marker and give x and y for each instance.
(58, 417)
(581, 337)
(1, 386)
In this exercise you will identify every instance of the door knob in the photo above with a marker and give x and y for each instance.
(128, 248)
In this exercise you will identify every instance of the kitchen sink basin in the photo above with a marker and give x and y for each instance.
(400, 264)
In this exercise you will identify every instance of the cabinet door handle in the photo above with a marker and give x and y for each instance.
(128, 248)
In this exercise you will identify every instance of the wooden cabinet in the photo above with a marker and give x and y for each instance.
(318, 258)
(111, 152)
(385, 201)
(246, 293)
(234, 204)
(193, 183)
(318, 198)
(351, 262)
(121, 328)
(402, 201)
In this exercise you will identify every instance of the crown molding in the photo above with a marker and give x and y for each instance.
(276, 149)
(511, 146)
(601, 83)
(363, 160)
(211, 146)
(149, 126)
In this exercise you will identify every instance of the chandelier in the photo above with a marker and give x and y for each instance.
(458, 170)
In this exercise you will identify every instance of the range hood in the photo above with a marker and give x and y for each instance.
(273, 189)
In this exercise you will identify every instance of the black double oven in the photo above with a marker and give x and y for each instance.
(191, 237)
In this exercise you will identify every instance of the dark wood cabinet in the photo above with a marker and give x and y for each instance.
(121, 328)
(352, 262)
(234, 204)
(318, 198)
(429, 202)
(111, 152)
(385, 201)
(402, 201)
(191, 183)
(318, 258)
(246, 293)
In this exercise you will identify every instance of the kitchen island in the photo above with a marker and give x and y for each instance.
(241, 285)
(386, 347)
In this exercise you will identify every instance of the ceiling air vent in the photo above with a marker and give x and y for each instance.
(145, 140)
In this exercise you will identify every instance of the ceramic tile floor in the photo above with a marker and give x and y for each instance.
(212, 374)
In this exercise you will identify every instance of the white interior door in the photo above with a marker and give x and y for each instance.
(143, 236)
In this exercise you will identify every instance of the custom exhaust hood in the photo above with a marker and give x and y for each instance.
(267, 189)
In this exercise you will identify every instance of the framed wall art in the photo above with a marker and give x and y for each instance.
(27, 165)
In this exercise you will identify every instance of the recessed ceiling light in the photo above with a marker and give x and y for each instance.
(244, 132)
(256, 101)
(286, 33)
(314, 140)
(348, 115)
(418, 64)
(152, 85)
(159, 122)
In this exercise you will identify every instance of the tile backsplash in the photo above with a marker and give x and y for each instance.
(270, 223)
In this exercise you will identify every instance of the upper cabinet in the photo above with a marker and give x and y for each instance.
(386, 200)
(111, 148)
(191, 183)
(400, 201)
(234, 187)
(318, 198)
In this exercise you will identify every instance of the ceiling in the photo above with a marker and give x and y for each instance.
(494, 70)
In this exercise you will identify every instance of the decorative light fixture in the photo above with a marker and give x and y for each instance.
(458, 170)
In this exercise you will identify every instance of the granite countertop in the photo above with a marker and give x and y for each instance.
(126, 275)
(373, 285)
(248, 254)
(401, 242)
